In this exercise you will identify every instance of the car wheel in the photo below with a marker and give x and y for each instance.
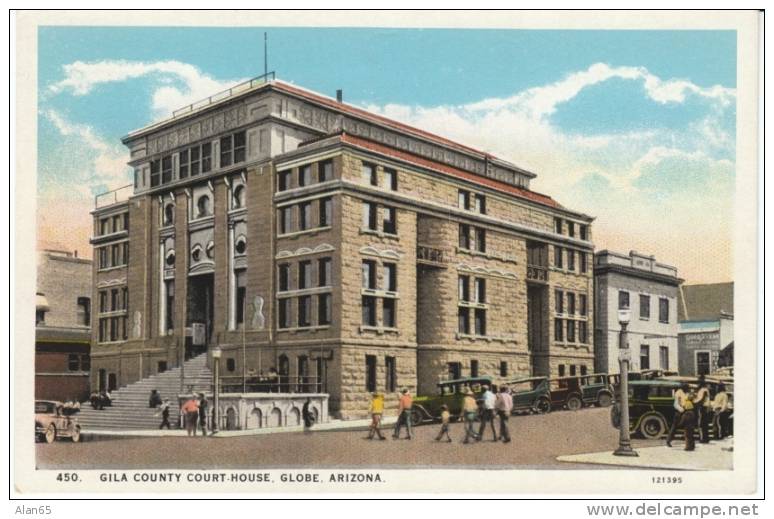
(417, 417)
(604, 400)
(652, 427)
(574, 403)
(50, 434)
(76, 435)
(543, 406)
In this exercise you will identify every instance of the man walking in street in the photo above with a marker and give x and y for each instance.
(164, 411)
(503, 406)
(190, 412)
(445, 417)
(376, 408)
(680, 396)
(404, 414)
(487, 414)
(469, 411)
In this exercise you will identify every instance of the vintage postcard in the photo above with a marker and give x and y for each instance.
(386, 252)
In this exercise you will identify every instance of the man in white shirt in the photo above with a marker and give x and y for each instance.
(504, 405)
(487, 414)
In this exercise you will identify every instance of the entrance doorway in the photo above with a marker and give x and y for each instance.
(702, 362)
(200, 305)
(102, 380)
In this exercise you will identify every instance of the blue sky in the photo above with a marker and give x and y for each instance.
(632, 122)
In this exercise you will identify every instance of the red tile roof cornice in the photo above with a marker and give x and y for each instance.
(497, 185)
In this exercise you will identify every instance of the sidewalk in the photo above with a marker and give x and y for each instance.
(332, 425)
(717, 455)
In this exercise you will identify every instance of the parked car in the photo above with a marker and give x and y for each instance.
(530, 395)
(566, 393)
(596, 390)
(51, 422)
(451, 393)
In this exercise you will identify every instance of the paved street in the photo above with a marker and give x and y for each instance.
(537, 441)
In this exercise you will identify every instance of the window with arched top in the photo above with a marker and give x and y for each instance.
(211, 250)
(169, 214)
(241, 245)
(170, 259)
(238, 198)
(203, 206)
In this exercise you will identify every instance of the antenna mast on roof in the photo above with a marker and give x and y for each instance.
(265, 57)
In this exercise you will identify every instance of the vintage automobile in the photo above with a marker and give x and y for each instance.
(451, 393)
(530, 395)
(596, 389)
(51, 422)
(566, 393)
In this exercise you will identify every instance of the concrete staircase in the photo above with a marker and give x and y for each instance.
(130, 403)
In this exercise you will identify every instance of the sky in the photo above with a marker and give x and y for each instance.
(635, 128)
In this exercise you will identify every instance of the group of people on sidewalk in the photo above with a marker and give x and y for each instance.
(492, 404)
(697, 409)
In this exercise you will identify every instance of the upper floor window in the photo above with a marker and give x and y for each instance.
(206, 158)
(390, 277)
(305, 274)
(480, 285)
(325, 171)
(104, 226)
(558, 257)
(558, 301)
(391, 179)
(284, 277)
(238, 198)
(203, 206)
(369, 274)
(644, 306)
(464, 238)
(479, 204)
(571, 229)
(84, 311)
(570, 260)
(623, 300)
(571, 303)
(369, 174)
(324, 272)
(305, 175)
(463, 288)
(390, 223)
(232, 149)
(370, 215)
(155, 172)
(285, 219)
(584, 232)
(283, 180)
(663, 310)
(169, 214)
(326, 212)
(190, 162)
(166, 169)
(558, 225)
(582, 263)
(304, 216)
(480, 240)
(583, 305)
(463, 199)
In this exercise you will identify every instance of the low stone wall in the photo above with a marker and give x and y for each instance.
(242, 411)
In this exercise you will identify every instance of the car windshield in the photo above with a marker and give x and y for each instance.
(45, 407)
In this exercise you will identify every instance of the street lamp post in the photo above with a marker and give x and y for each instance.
(624, 356)
(216, 374)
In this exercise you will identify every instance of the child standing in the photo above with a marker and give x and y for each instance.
(444, 424)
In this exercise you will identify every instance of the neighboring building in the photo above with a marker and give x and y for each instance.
(340, 246)
(62, 326)
(706, 314)
(649, 290)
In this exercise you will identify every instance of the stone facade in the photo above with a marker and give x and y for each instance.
(354, 248)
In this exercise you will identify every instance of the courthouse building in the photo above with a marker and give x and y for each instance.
(297, 232)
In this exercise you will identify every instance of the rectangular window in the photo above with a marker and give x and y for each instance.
(473, 368)
(284, 277)
(561, 370)
(463, 288)
(584, 232)
(369, 311)
(464, 236)
(104, 226)
(170, 304)
(558, 225)
(558, 257)
(369, 274)
(573, 370)
(479, 204)
(644, 356)
(463, 320)
(304, 216)
(103, 307)
(391, 179)
(583, 332)
(304, 274)
(582, 262)
(241, 295)
(503, 369)
(570, 303)
(226, 150)
(570, 331)
(283, 313)
(370, 368)
(285, 215)
(663, 310)
(326, 212)
(390, 369)
(155, 172)
(388, 312)
(125, 298)
(84, 310)
(305, 175)
(480, 240)
(480, 287)
(558, 301)
(194, 155)
(324, 272)
(369, 174)
(623, 300)
(183, 170)
(283, 180)
(304, 310)
(114, 304)
(583, 304)
(370, 211)
(325, 171)
(663, 357)
(73, 362)
(571, 229)
(558, 330)
(480, 317)
(583, 370)
(390, 223)
(571, 260)
(206, 157)
(463, 199)
(324, 309)
(103, 258)
(644, 307)
(390, 277)
(455, 370)
(166, 169)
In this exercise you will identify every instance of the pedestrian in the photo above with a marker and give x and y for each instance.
(404, 414)
(469, 410)
(504, 406)
(164, 412)
(487, 413)
(680, 396)
(445, 417)
(688, 421)
(155, 399)
(94, 400)
(190, 412)
(721, 410)
(203, 413)
(307, 415)
(376, 408)
(702, 405)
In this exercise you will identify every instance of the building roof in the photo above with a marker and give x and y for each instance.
(705, 302)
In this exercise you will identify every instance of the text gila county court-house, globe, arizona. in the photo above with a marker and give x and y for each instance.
(339, 247)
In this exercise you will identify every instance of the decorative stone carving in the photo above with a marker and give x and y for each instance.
(258, 321)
